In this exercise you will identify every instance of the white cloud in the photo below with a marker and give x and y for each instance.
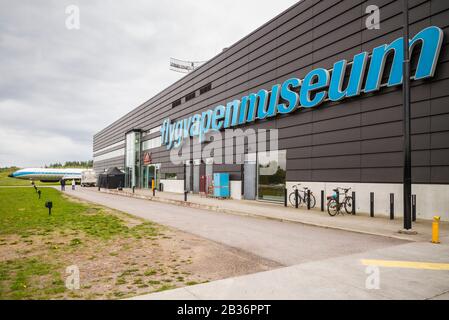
(58, 86)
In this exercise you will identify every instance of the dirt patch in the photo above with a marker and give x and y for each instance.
(119, 267)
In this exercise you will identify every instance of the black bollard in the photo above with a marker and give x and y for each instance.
(296, 198)
(353, 203)
(308, 199)
(391, 206)
(185, 195)
(322, 200)
(371, 206)
(413, 207)
(39, 193)
(285, 197)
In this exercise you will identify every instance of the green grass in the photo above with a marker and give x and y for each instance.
(21, 279)
(7, 181)
(22, 213)
(40, 276)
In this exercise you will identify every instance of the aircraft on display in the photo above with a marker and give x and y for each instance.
(47, 174)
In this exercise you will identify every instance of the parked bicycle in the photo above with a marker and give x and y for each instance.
(334, 205)
(302, 196)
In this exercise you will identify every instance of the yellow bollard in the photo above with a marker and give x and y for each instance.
(436, 229)
(152, 184)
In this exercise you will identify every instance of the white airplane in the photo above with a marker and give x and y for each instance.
(47, 174)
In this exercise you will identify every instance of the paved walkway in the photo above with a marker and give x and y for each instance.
(337, 278)
(321, 263)
(359, 223)
(284, 243)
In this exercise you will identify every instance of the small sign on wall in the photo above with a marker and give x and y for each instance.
(147, 158)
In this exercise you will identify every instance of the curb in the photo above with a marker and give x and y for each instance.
(252, 215)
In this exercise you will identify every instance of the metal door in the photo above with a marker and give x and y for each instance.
(188, 182)
(209, 177)
(250, 178)
(196, 178)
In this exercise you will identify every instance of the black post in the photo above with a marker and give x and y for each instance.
(242, 188)
(414, 207)
(296, 198)
(285, 197)
(134, 187)
(338, 196)
(391, 206)
(371, 206)
(308, 199)
(185, 195)
(39, 193)
(185, 178)
(353, 203)
(407, 176)
(322, 200)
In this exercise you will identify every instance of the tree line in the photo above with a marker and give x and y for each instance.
(71, 164)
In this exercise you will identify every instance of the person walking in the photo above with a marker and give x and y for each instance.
(62, 185)
(73, 184)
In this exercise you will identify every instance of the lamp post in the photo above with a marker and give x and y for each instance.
(407, 175)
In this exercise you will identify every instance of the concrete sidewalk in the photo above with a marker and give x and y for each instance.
(381, 226)
(336, 278)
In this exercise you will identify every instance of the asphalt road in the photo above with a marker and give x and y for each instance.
(283, 242)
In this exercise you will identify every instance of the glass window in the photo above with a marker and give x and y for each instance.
(171, 176)
(272, 168)
(132, 159)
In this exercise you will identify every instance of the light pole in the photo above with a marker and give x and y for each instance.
(407, 176)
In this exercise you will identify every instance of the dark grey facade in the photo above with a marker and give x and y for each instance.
(356, 140)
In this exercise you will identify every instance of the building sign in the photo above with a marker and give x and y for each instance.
(317, 86)
(147, 158)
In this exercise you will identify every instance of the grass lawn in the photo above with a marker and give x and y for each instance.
(117, 255)
(7, 181)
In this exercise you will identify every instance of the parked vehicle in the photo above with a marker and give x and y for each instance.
(334, 205)
(88, 178)
(302, 196)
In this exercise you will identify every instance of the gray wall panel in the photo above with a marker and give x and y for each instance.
(358, 139)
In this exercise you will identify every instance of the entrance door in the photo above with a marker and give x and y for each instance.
(145, 177)
(209, 176)
(149, 173)
(188, 177)
(196, 177)
(250, 177)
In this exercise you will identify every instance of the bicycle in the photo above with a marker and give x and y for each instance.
(302, 196)
(334, 205)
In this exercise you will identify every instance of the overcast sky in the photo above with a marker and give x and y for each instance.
(58, 86)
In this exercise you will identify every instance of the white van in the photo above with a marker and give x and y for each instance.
(88, 178)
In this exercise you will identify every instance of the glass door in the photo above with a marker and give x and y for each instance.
(150, 173)
(145, 177)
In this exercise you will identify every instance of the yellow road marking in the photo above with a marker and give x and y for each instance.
(406, 264)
